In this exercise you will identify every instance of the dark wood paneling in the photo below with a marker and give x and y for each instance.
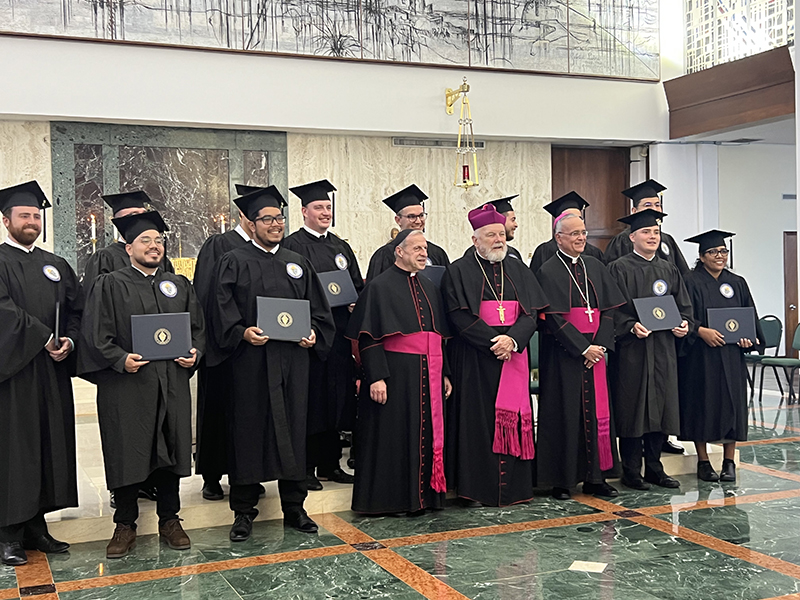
(597, 174)
(790, 309)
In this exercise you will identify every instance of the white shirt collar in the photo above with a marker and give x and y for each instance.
(647, 259)
(273, 251)
(574, 260)
(14, 244)
(142, 272)
(238, 229)
(316, 234)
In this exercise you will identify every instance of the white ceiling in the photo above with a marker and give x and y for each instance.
(773, 131)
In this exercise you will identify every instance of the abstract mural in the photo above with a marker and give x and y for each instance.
(610, 38)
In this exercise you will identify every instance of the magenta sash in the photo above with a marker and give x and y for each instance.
(428, 343)
(580, 320)
(513, 394)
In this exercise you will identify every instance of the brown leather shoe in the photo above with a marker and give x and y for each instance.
(172, 533)
(124, 541)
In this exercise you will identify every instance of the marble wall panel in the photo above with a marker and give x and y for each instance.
(88, 201)
(367, 169)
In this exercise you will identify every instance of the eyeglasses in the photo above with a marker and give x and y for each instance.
(267, 220)
(146, 241)
(418, 217)
(575, 234)
(717, 252)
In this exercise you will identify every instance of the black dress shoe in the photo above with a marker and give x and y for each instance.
(635, 483)
(706, 472)
(728, 471)
(242, 528)
(148, 493)
(312, 483)
(467, 503)
(662, 480)
(13, 554)
(299, 519)
(212, 490)
(45, 543)
(671, 448)
(338, 476)
(561, 493)
(415, 513)
(603, 490)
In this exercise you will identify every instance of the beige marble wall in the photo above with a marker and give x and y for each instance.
(367, 169)
(25, 155)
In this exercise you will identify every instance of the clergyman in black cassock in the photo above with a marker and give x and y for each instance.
(332, 382)
(267, 412)
(400, 326)
(492, 303)
(144, 408)
(712, 374)
(37, 415)
(409, 214)
(503, 206)
(576, 438)
(644, 368)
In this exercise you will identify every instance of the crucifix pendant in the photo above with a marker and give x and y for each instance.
(502, 310)
(590, 311)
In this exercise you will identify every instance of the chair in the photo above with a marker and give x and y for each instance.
(789, 366)
(772, 328)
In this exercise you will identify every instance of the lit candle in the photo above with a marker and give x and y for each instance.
(94, 228)
(222, 223)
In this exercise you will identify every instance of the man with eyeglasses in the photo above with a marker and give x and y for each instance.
(409, 214)
(144, 407)
(267, 412)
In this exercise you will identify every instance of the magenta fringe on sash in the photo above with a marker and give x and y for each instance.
(438, 482)
(604, 444)
(506, 437)
(528, 451)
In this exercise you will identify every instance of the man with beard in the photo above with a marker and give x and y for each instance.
(267, 412)
(503, 206)
(37, 416)
(144, 407)
(400, 326)
(492, 304)
(409, 214)
(576, 442)
(332, 388)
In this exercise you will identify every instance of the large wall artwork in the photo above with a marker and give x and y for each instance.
(609, 38)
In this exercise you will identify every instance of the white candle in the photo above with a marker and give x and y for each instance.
(222, 223)
(94, 228)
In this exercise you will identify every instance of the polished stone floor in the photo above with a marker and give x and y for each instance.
(703, 541)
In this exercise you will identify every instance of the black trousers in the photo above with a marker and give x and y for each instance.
(244, 498)
(168, 503)
(323, 452)
(21, 531)
(631, 450)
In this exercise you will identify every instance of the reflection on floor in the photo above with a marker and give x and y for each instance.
(702, 541)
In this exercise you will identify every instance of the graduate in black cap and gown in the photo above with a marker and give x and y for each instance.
(37, 414)
(713, 374)
(332, 383)
(268, 404)
(409, 214)
(644, 368)
(400, 326)
(571, 203)
(144, 407)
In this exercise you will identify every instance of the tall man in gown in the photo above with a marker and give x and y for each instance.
(332, 387)
(409, 214)
(712, 374)
(144, 407)
(400, 326)
(266, 415)
(37, 416)
(492, 303)
(644, 373)
(576, 441)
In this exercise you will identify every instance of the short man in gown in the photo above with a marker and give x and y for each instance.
(576, 441)
(409, 214)
(144, 407)
(492, 302)
(37, 414)
(400, 326)
(267, 409)
(644, 373)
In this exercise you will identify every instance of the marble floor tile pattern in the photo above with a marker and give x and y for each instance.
(702, 541)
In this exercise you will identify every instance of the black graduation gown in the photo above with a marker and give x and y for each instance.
(332, 383)
(621, 244)
(644, 373)
(395, 440)
(109, 259)
(713, 381)
(512, 252)
(566, 448)
(213, 380)
(474, 470)
(37, 414)
(145, 417)
(547, 250)
(266, 415)
(383, 258)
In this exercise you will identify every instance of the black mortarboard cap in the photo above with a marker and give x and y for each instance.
(24, 194)
(710, 239)
(410, 196)
(503, 205)
(643, 218)
(132, 226)
(250, 204)
(565, 202)
(640, 191)
(401, 237)
(243, 189)
(118, 202)
(311, 192)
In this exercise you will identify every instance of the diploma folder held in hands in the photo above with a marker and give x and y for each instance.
(339, 288)
(734, 323)
(162, 336)
(659, 313)
(284, 319)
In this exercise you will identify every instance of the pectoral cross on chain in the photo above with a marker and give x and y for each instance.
(502, 310)
(589, 311)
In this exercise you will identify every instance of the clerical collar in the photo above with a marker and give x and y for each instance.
(14, 244)
(574, 260)
(647, 259)
(316, 234)
(240, 230)
(143, 273)
(491, 262)
(260, 247)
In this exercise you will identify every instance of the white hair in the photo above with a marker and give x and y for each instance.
(564, 219)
